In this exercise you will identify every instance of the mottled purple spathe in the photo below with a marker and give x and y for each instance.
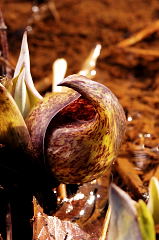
(78, 136)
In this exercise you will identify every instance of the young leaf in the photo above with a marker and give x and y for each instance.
(123, 221)
(88, 68)
(23, 89)
(153, 203)
(59, 68)
(21, 95)
(145, 220)
(13, 130)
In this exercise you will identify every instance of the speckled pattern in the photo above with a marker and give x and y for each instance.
(79, 150)
(41, 115)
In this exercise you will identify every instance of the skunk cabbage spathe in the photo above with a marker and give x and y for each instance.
(77, 133)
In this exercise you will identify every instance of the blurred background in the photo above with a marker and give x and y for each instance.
(71, 28)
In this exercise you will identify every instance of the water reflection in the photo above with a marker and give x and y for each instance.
(88, 202)
(129, 119)
(35, 9)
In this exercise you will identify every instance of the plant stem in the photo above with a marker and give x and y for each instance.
(9, 223)
(61, 192)
(106, 224)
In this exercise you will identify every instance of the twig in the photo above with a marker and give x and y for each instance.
(153, 27)
(143, 52)
(53, 10)
(43, 12)
(129, 175)
(2, 59)
(5, 70)
(152, 173)
(106, 224)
